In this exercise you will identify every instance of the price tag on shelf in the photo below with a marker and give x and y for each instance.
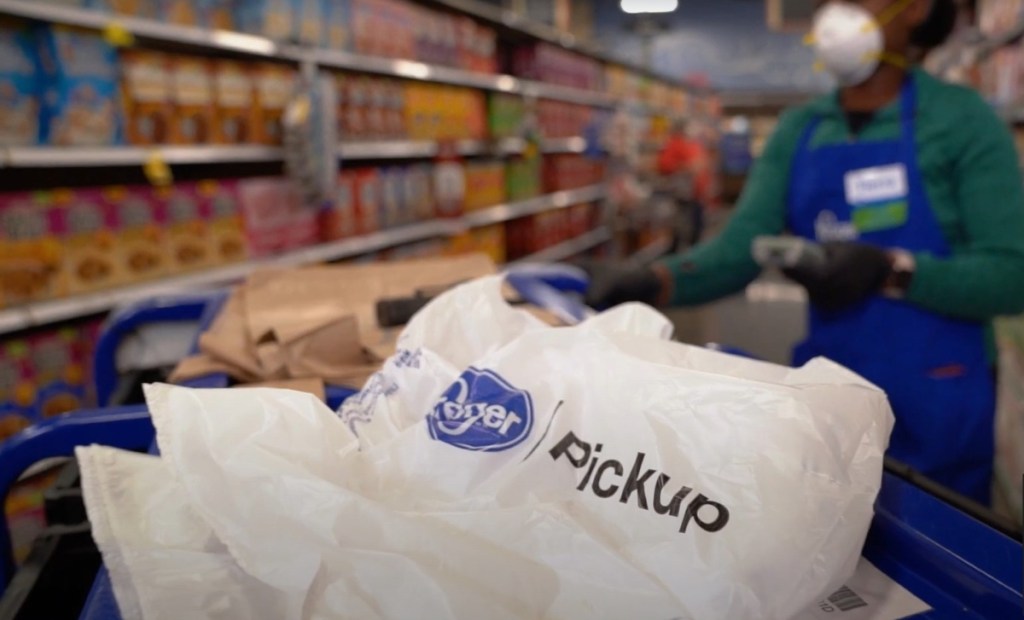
(156, 169)
(117, 35)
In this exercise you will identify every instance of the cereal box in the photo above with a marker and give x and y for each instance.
(216, 14)
(20, 88)
(179, 12)
(368, 200)
(86, 222)
(275, 85)
(139, 242)
(193, 95)
(338, 220)
(134, 8)
(274, 220)
(17, 391)
(222, 211)
(391, 197)
(186, 230)
(80, 85)
(306, 21)
(30, 254)
(419, 192)
(235, 113)
(58, 371)
(146, 95)
(336, 16)
(268, 18)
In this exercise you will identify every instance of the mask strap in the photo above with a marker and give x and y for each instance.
(896, 60)
(892, 11)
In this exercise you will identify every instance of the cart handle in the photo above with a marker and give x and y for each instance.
(157, 310)
(128, 427)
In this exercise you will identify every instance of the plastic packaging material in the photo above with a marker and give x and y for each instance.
(499, 468)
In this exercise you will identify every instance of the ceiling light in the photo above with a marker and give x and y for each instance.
(648, 6)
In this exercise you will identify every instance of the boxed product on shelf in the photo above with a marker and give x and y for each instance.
(376, 112)
(419, 193)
(549, 63)
(476, 46)
(179, 12)
(307, 21)
(437, 111)
(80, 87)
(17, 391)
(275, 85)
(336, 18)
(192, 93)
(338, 220)
(233, 91)
(579, 219)
(133, 8)
(560, 119)
(368, 200)
(217, 14)
(138, 245)
(505, 115)
(268, 18)
(85, 221)
(186, 233)
(569, 171)
(485, 184)
(20, 87)
(59, 361)
(355, 102)
(522, 178)
(274, 220)
(392, 197)
(489, 240)
(383, 28)
(394, 110)
(31, 254)
(146, 96)
(221, 209)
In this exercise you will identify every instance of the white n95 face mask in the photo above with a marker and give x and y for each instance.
(848, 41)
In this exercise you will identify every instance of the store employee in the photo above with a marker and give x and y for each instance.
(914, 187)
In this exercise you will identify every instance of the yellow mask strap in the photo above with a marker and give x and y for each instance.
(892, 11)
(890, 58)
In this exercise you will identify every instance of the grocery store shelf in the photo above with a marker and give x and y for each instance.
(70, 157)
(569, 248)
(67, 157)
(548, 202)
(42, 313)
(222, 40)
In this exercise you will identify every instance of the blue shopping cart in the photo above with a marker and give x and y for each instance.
(957, 564)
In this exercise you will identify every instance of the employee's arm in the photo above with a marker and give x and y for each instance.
(724, 265)
(986, 278)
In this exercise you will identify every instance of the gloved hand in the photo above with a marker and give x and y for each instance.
(851, 273)
(614, 283)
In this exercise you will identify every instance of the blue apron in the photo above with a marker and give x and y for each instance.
(934, 369)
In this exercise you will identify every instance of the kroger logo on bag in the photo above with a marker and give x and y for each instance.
(481, 412)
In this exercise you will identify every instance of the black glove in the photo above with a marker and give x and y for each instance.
(614, 283)
(851, 273)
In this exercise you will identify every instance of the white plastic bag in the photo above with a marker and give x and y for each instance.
(499, 468)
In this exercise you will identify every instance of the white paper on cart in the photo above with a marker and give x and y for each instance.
(498, 468)
(869, 595)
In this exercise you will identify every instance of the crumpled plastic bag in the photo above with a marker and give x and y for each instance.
(499, 468)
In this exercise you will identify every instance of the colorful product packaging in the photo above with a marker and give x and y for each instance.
(86, 223)
(222, 210)
(307, 21)
(217, 14)
(59, 364)
(368, 200)
(146, 96)
(235, 114)
(186, 232)
(192, 93)
(336, 16)
(275, 85)
(267, 18)
(80, 86)
(275, 222)
(139, 238)
(419, 194)
(339, 219)
(17, 391)
(20, 87)
(31, 254)
(179, 12)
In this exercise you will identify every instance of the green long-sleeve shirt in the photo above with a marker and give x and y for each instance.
(972, 178)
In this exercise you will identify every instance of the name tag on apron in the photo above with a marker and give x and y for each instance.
(878, 197)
